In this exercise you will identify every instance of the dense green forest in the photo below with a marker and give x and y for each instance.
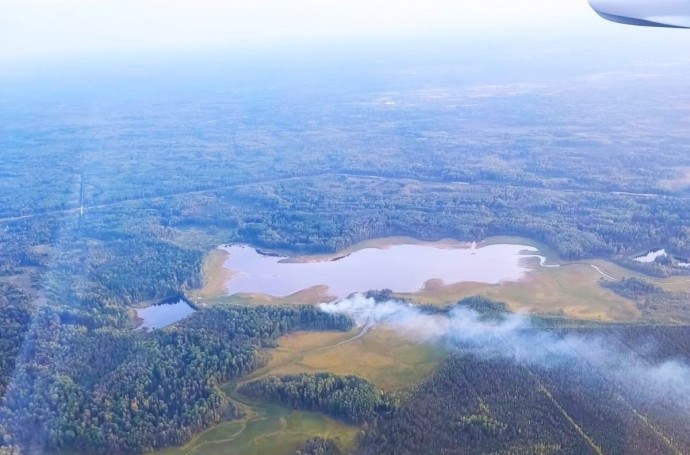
(337, 166)
(345, 397)
(656, 304)
(107, 390)
(570, 402)
(321, 446)
(477, 404)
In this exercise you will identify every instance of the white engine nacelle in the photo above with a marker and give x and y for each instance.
(650, 13)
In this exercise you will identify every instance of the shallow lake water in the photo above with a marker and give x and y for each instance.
(163, 315)
(651, 256)
(401, 268)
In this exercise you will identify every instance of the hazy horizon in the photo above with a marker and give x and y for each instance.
(40, 34)
(40, 27)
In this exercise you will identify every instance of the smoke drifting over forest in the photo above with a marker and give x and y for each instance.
(640, 367)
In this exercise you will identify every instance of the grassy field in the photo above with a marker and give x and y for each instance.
(572, 290)
(388, 360)
(382, 356)
(676, 283)
(671, 284)
(311, 296)
(266, 430)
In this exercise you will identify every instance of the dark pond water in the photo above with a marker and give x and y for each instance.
(163, 315)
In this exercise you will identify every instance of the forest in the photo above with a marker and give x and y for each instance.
(349, 398)
(488, 404)
(569, 401)
(105, 390)
(321, 446)
(657, 305)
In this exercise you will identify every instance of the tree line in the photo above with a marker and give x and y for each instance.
(108, 390)
(349, 398)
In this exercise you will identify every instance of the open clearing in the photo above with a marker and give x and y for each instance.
(311, 296)
(679, 183)
(381, 356)
(572, 290)
(267, 429)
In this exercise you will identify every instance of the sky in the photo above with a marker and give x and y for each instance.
(60, 38)
(35, 28)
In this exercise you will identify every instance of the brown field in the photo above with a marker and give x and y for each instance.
(266, 429)
(215, 276)
(382, 356)
(679, 183)
(572, 290)
(675, 283)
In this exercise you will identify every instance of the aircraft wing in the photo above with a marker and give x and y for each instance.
(649, 13)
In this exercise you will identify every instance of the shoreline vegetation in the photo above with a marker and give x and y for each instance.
(215, 276)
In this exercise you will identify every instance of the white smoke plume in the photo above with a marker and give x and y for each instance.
(459, 325)
(515, 338)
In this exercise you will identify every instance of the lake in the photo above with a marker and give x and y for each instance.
(399, 267)
(163, 315)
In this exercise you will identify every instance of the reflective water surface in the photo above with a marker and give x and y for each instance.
(651, 256)
(163, 315)
(402, 268)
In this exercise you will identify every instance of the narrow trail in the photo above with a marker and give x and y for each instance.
(624, 401)
(543, 263)
(368, 326)
(565, 414)
(83, 208)
(581, 431)
(547, 393)
(601, 272)
(297, 356)
(253, 410)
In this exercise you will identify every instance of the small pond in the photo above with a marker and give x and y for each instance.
(163, 315)
(651, 256)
